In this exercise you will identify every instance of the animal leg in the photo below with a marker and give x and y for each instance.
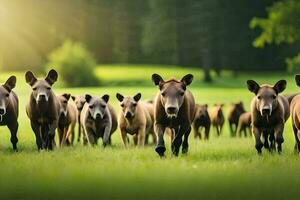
(185, 144)
(13, 131)
(36, 130)
(160, 147)
(258, 143)
(141, 137)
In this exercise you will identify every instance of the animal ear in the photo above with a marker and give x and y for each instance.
(187, 79)
(73, 98)
(67, 96)
(206, 105)
(157, 79)
(253, 86)
(119, 97)
(280, 86)
(88, 98)
(51, 77)
(137, 97)
(222, 105)
(30, 78)
(297, 79)
(10, 83)
(105, 98)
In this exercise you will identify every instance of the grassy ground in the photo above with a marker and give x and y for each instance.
(222, 168)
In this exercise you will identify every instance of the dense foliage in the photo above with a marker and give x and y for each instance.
(74, 64)
(209, 34)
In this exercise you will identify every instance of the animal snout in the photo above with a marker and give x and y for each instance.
(128, 115)
(42, 97)
(98, 115)
(266, 111)
(2, 111)
(171, 110)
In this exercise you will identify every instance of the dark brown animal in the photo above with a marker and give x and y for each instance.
(174, 108)
(217, 118)
(67, 120)
(43, 109)
(269, 112)
(234, 113)
(244, 124)
(136, 118)
(202, 120)
(98, 119)
(9, 109)
(79, 101)
(295, 113)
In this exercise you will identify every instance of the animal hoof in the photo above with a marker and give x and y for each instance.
(160, 150)
(15, 150)
(185, 151)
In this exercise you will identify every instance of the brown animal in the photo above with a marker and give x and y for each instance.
(174, 108)
(9, 109)
(217, 118)
(244, 124)
(295, 113)
(269, 112)
(43, 109)
(67, 120)
(98, 119)
(136, 118)
(202, 120)
(79, 101)
(234, 113)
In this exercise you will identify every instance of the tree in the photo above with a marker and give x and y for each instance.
(281, 26)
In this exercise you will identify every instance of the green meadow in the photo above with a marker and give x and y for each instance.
(221, 168)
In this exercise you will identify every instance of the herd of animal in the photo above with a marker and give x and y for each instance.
(173, 111)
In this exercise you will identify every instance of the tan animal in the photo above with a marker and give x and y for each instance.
(136, 118)
(43, 109)
(67, 120)
(174, 108)
(217, 118)
(295, 113)
(9, 109)
(79, 101)
(269, 112)
(202, 120)
(98, 119)
(244, 124)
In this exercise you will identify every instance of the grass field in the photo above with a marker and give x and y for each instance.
(222, 168)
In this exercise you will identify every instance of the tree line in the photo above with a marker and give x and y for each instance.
(208, 34)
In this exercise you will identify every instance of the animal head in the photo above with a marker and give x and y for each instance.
(41, 89)
(79, 101)
(297, 79)
(172, 92)
(97, 106)
(63, 99)
(202, 110)
(129, 104)
(266, 95)
(218, 107)
(5, 91)
(238, 107)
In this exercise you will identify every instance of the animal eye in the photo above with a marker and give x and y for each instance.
(91, 106)
(7, 95)
(103, 106)
(163, 94)
(48, 88)
(134, 104)
(34, 88)
(274, 96)
(122, 105)
(181, 93)
(65, 101)
(259, 97)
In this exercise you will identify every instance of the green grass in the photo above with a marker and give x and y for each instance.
(222, 168)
